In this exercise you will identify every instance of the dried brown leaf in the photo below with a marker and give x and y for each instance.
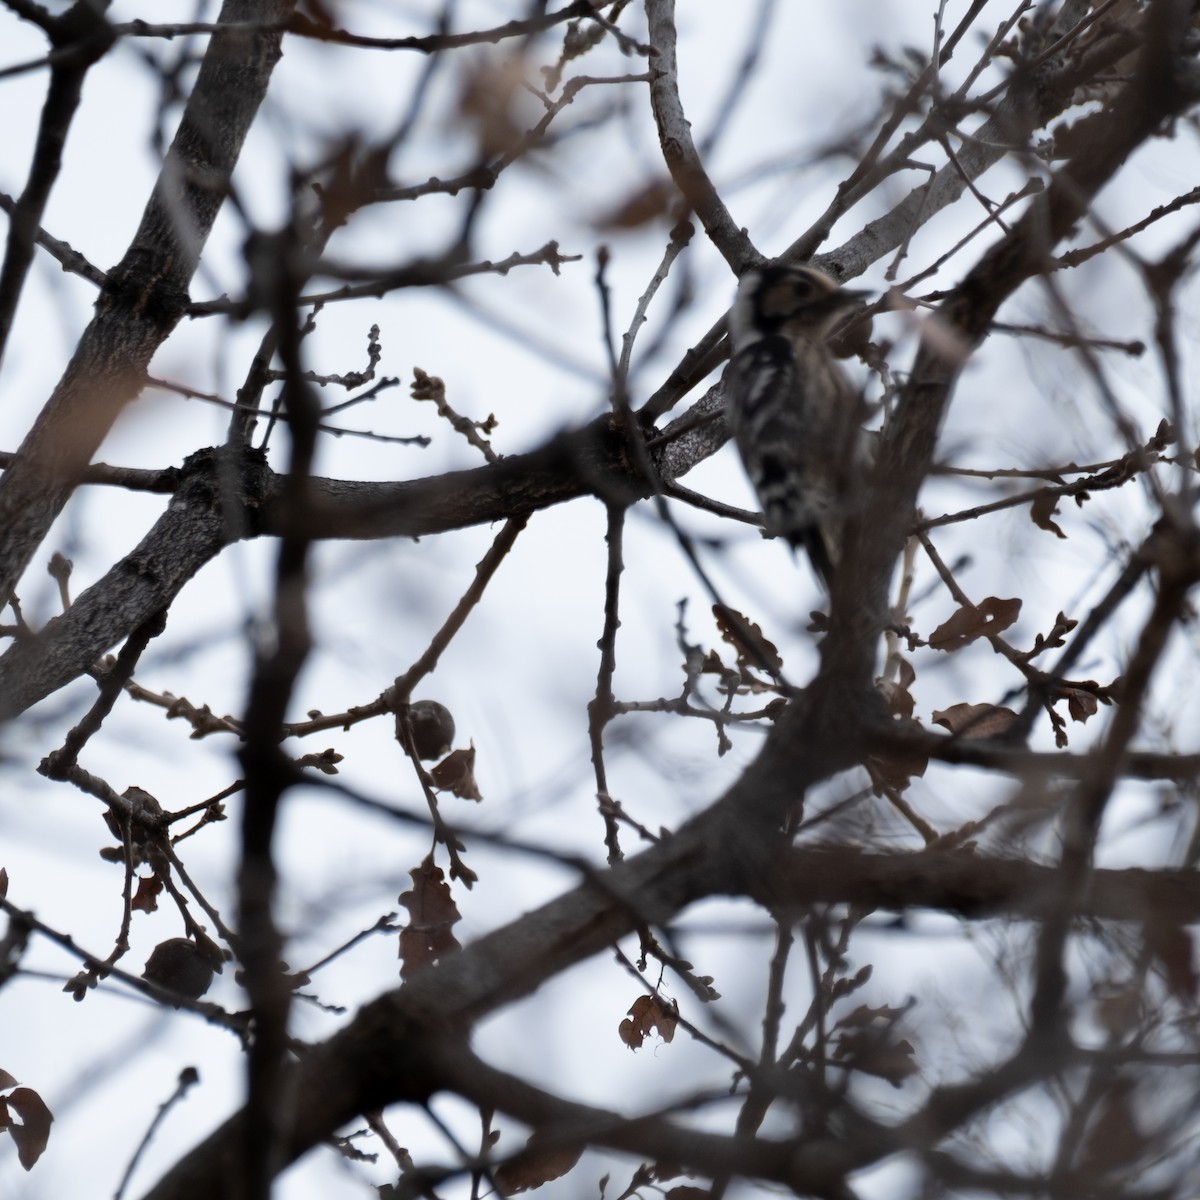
(146, 897)
(1041, 513)
(646, 1014)
(895, 771)
(647, 203)
(539, 1162)
(975, 720)
(488, 102)
(754, 651)
(32, 1134)
(456, 773)
(1080, 704)
(432, 914)
(973, 621)
(865, 1052)
(900, 700)
(868, 1014)
(865, 1040)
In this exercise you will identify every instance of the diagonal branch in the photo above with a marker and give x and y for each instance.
(146, 293)
(220, 498)
(1102, 143)
(679, 151)
(86, 33)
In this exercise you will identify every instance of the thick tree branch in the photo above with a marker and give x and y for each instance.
(1032, 99)
(268, 773)
(223, 498)
(1103, 141)
(378, 1058)
(146, 293)
(370, 1063)
(216, 505)
(679, 151)
(85, 32)
(977, 886)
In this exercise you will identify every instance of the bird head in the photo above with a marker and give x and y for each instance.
(796, 302)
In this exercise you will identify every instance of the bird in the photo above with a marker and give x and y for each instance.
(794, 415)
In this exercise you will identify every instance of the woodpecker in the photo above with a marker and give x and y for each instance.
(793, 413)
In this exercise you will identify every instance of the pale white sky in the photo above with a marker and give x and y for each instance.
(520, 674)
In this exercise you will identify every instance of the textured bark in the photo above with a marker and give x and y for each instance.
(384, 1055)
(215, 506)
(146, 293)
(388, 1052)
(222, 499)
(81, 37)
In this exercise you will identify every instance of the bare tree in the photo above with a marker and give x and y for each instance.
(949, 819)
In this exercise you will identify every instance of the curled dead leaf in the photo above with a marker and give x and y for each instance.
(1041, 513)
(975, 720)
(754, 651)
(896, 692)
(893, 1061)
(489, 101)
(146, 897)
(865, 1040)
(1080, 704)
(31, 1130)
(646, 1014)
(648, 202)
(541, 1160)
(895, 771)
(456, 773)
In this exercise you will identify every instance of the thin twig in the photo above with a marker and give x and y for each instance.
(423, 273)
(600, 709)
(487, 566)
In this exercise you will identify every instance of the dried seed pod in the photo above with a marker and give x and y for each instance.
(179, 965)
(432, 728)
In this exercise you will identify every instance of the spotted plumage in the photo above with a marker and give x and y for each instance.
(792, 411)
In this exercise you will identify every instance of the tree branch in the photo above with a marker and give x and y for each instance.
(679, 151)
(146, 293)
